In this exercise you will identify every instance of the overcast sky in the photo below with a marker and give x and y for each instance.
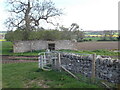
(88, 14)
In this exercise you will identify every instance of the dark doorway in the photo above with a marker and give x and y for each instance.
(51, 46)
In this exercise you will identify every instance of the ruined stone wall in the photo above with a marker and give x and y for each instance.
(105, 68)
(25, 46)
(38, 45)
(21, 46)
(64, 44)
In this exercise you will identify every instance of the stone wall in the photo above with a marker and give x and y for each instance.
(24, 46)
(66, 44)
(105, 68)
(38, 45)
(21, 46)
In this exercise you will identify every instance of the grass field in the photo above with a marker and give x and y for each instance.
(92, 38)
(27, 75)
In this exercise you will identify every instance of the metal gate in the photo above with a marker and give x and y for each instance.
(48, 60)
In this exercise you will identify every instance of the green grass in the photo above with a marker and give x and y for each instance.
(98, 52)
(93, 38)
(7, 48)
(106, 52)
(98, 38)
(27, 75)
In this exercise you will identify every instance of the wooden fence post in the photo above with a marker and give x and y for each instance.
(58, 62)
(93, 67)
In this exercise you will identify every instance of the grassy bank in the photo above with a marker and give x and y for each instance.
(27, 75)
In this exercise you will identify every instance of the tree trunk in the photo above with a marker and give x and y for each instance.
(27, 22)
(27, 17)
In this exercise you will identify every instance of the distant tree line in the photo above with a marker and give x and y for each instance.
(108, 36)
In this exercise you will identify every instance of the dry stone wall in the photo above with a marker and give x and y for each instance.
(105, 68)
(108, 69)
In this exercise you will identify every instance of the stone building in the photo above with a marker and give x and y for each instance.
(25, 46)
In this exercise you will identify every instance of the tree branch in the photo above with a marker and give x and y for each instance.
(32, 14)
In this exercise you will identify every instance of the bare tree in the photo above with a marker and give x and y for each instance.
(26, 14)
(76, 32)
